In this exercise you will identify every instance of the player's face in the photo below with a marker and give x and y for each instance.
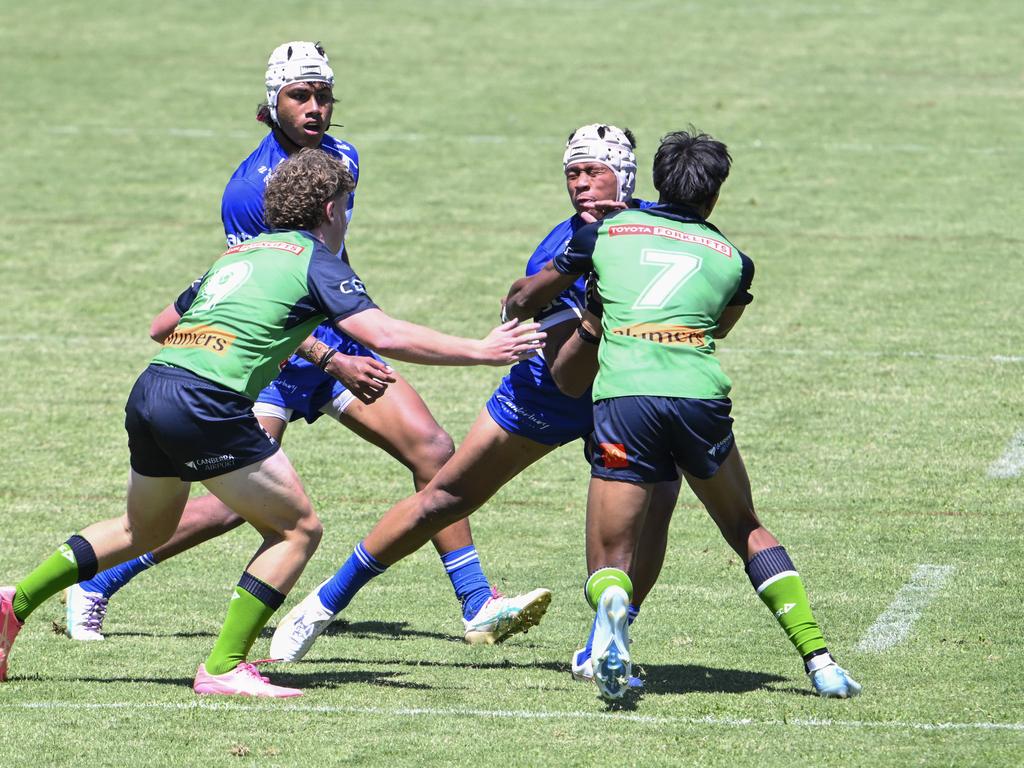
(589, 182)
(304, 112)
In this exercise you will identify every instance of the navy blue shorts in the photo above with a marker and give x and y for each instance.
(645, 439)
(302, 387)
(182, 425)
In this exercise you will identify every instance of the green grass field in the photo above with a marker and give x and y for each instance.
(877, 185)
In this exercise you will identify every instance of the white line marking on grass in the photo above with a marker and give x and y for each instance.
(521, 714)
(896, 621)
(1011, 463)
(414, 137)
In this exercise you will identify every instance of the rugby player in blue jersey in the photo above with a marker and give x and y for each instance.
(378, 404)
(526, 418)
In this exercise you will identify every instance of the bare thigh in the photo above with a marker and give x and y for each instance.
(401, 424)
(727, 498)
(487, 459)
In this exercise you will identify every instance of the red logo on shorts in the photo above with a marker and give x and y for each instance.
(613, 455)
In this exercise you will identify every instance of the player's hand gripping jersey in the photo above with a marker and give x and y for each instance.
(664, 276)
(255, 305)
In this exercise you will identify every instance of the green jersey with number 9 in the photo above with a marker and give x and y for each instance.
(664, 276)
(254, 306)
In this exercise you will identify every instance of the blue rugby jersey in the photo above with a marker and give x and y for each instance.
(241, 208)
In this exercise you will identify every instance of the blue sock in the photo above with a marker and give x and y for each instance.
(468, 580)
(112, 579)
(634, 611)
(360, 567)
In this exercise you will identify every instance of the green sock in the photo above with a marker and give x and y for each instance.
(778, 584)
(603, 578)
(247, 615)
(788, 602)
(59, 571)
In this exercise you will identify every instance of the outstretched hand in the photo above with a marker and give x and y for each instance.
(511, 342)
(365, 377)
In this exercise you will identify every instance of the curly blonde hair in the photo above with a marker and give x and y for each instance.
(300, 186)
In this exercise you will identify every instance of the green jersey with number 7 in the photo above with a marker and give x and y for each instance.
(665, 276)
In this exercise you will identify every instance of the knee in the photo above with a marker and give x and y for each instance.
(433, 448)
(439, 508)
(310, 531)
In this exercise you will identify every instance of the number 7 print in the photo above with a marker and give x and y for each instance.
(677, 268)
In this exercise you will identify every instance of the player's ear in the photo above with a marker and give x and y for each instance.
(329, 208)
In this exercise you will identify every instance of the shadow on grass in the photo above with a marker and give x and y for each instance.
(392, 630)
(550, 666)
(696, 678)
(660, 679)
(181, 635)
(304, 680)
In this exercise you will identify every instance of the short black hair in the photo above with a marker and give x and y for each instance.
(690, 168)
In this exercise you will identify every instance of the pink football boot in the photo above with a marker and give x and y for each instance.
(9, 628)
(243, 680)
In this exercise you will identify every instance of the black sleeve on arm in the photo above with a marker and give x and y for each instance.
(742, 295)
(578, 256)
(184, 301)
(334, 288)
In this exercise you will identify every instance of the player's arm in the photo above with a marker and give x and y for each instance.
(734, 310)
(528, 295)
(341, 295)
(572, 358)
(365, 377)
(164, 324)
(571, 354)
(241, 211)
(413, 343)
(729, 317)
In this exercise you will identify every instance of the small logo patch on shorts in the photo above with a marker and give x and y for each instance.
(613, 456)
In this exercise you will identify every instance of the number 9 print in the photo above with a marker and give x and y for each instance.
(221, 284)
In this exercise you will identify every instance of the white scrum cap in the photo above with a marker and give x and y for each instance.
(607, 145)
(297, 61)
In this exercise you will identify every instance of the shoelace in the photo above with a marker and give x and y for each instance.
(253, 664)
(250, 670)
(95, 613)
(302, 630)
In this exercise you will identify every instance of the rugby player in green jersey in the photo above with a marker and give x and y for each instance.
(670, 285)
(189, 416)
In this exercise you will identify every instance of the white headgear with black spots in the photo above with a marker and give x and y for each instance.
(609, 146)
(295, 62)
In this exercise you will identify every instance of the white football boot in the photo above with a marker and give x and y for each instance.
(300, 628)
(85, 613)
(502, 616)
(610, 659)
